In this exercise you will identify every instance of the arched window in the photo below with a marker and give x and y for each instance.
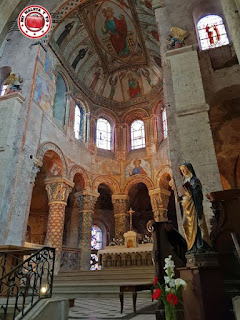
(59, 108)
(77, 121)
(96, 238)
(103, 134)
(212, 32)
(164, 123)
(137, 135)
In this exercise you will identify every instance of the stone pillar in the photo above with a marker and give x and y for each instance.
(231, 12)
(58, 190)
(92, 135)
(74, 226)
(192, 120)
(120, 207)
(86, 202)
(159, 201)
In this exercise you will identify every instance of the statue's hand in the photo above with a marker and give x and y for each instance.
(179, 199)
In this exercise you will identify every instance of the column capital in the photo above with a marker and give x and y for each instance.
(159, 201)
(158, 191)
(58, 189)
(86, 200)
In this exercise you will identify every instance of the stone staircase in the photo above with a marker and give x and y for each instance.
(102, 282)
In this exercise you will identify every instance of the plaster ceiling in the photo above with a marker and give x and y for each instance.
(110, 49)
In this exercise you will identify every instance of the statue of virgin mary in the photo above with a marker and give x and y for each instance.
(194, 224)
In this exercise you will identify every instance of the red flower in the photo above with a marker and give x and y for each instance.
(156, 294)
(155, 281)
(172, 299)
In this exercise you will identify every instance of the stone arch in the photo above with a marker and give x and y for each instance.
(77, 169)
(49, 146)
(108, 181)
(137, 178)
(108, 114)
(164, 171)
(134, 114)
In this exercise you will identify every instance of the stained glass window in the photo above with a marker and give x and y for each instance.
(96, 239)
(94, 262)
(164, 123)
(103, 134)
(77, 121)
(137, 135)
(212, 32)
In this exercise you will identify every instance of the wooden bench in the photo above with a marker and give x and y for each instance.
(134, 288)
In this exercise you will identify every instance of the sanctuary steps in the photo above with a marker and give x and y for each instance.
(102, 282)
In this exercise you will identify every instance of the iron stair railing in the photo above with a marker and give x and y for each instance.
(29, 281)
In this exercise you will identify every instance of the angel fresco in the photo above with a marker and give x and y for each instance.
(113, 83)
(176, 39)
(117, 29)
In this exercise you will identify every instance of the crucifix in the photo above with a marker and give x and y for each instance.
(131, 212)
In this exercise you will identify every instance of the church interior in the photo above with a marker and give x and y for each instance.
(120, 159)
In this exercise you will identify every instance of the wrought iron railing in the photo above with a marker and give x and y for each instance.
(28, 282)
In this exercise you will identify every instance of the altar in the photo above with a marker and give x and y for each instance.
(121, 256)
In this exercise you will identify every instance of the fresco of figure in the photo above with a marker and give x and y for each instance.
(134, 87)
(80, 56)
(117, 29)
(64, 34)
(113, 83)
(194, 224)
(138, 169)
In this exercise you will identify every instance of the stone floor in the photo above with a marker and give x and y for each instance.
(109, 308)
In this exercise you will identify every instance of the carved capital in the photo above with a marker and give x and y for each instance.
(37, 164)
(120, 204)
(86, 200)
(58, 190)
(159, 201)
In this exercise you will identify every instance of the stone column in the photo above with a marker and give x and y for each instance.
(231, 12)
(120, 207)
(74, 226)
(58, 190)
(86, 203)
(192, 120)
(159, 201)
(92, 135)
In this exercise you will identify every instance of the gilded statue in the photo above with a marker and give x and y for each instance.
(194, 223)
(13, 82)
(176, 38)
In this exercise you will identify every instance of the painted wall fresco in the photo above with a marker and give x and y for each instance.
(111, 49)
(138, 166)
(44, 82)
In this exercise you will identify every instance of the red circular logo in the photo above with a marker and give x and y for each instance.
(34, 22)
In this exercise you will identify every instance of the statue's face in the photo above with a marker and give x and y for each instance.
(185, 171)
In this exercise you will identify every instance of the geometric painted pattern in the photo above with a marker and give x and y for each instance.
(55, 225)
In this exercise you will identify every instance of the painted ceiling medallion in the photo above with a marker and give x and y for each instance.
(111, 50)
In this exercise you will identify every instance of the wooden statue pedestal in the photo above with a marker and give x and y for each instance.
(203, 297)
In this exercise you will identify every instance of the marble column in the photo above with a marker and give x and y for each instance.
(232, 15)
(86, 203)
(159, 200)
(120, 207)
(58, 190)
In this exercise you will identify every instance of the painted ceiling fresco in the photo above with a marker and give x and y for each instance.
(110, 49)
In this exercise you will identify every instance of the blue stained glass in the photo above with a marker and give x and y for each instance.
(96, 239)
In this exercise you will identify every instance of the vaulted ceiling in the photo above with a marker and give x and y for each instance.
(111, 50)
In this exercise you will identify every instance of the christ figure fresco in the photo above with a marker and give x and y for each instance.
(117, 29)
(134, 87)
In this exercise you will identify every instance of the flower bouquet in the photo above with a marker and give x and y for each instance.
(170, 292)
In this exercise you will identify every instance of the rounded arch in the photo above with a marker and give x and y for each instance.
(60, 70)
(108, 181)
(77, 169)
(163, 172)
(48, 146)
(137, 178)
(108, 115)
(80, 99)
(134, 114)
